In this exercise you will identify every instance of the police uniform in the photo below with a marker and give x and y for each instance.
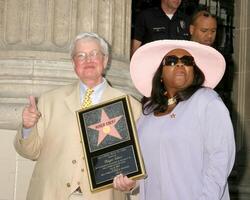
(153, 24)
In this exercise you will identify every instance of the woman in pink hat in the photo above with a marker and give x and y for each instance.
(185, 131)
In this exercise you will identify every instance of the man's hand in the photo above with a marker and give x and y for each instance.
(123, 183)
(30, 113)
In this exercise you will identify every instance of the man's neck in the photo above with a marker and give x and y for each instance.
(167, 10)
(92, 83)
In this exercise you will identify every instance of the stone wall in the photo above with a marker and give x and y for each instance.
(34, 40)
(240, 180)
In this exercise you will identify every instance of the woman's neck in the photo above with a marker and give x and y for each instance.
(169, 109)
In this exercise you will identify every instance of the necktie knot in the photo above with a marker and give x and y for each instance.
(87, 98)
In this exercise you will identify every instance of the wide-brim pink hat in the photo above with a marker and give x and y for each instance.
(146, 60)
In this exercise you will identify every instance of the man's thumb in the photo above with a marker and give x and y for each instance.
(32, 102)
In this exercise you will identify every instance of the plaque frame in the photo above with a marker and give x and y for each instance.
(109, 155)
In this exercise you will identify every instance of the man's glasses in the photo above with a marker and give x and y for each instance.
(83, 56)
(172, 60)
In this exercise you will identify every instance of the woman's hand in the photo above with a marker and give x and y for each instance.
(123, 183)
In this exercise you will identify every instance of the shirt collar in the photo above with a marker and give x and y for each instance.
(84, 87)
(98, 90)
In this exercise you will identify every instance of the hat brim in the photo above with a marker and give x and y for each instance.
(148, 57)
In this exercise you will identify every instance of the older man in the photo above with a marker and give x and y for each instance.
(49, 132)
(203, 28)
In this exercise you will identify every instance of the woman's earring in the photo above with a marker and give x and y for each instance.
(165, 93)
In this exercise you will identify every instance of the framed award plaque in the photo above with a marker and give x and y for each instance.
(110, 142)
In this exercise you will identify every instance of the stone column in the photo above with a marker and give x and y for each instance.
(241, 176)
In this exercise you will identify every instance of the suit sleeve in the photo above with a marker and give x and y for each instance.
(140, 27)
(30, 147)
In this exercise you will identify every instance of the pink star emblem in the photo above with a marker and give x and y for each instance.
(106, 127)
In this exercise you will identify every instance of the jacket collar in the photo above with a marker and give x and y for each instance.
(73, 98)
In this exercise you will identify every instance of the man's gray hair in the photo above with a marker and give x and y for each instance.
(92, 37)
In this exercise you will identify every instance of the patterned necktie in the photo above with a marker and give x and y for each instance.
(87, 98)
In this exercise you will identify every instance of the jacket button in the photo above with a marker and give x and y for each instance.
(78, 183)
(74, 161)
(82, 170)
(68, 185)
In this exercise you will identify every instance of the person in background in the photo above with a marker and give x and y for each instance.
(164, 22)
(49, 132)
(203, 28)
(185, 131)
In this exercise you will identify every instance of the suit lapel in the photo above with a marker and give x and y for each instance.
(73, 99)
(106, 93)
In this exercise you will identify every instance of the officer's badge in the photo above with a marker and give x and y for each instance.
(182, 24)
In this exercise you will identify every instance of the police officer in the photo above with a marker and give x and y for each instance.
(164, 22)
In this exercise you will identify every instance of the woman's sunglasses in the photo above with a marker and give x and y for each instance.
(172, 60)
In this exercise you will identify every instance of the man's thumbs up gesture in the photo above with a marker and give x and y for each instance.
(30, 113)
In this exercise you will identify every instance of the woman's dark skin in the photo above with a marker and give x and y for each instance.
(176, 78)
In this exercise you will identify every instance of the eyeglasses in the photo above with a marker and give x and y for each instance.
(172, 60)
(83, 56)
